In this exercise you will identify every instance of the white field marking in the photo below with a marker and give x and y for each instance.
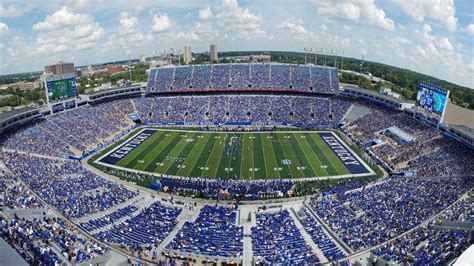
(371, 172)
(290, 179)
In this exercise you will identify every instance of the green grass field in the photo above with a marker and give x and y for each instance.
(265, 155)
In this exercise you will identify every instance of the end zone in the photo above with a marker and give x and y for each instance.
(125, 148)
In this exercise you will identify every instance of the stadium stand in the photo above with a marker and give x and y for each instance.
(276, 239)
(298, 110)
(214, 233)
(46, 240)
(371, 215)
(61, 133)
(430, 245)
(278, 77)
(65, 185)
(149, 228)
(395, 214)
(321, 238)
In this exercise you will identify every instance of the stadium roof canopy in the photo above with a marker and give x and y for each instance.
(405, 136)
(16, 112)
(372, 93)
(467, 131)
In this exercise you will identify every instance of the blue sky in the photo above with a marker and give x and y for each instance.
(434, 37)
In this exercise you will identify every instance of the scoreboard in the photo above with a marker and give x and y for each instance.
(60, 87)
(432, 98)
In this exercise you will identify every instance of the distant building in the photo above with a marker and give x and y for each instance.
(261, 58)
(114, 69)
(60, 68)
(25, 86)
(213, 53)
(142, 59)
(187, 56)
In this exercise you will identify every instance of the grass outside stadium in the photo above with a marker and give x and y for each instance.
(283, 154)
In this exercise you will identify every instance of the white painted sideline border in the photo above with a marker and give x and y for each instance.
(130, 138)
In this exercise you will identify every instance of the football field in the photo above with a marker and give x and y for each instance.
(256, 155)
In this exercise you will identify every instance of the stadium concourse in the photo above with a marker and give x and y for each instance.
(57, 209)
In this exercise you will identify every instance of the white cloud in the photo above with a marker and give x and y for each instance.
(13, 10)
(442, 11)
(238, 22)
(205, 13)
(354, 10)
(297, 29)
(3, 29)
(81, 4)
(398, 45)
(127, 36)
(161, 22)
(199, 32)
(470, 30)
(62, 18)
(445, 44)
(128, 24)
(64, 30)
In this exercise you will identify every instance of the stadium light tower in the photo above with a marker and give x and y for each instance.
(129, 52)
(360, 69)
(342, 62)
(305, 54)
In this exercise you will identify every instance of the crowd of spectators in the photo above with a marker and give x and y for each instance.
(66, 185)
(110, 218)
(225, 189)
(450, 159)
(429, 245)
(330, 250)
(425, 246)
(462, 211)
(213, 233)
(15, 195)
(244, 76)
(277, 240)
(430, 154)
(145, 230)
(296, 110)
(44, 241)
(71, 131)
(371, 215)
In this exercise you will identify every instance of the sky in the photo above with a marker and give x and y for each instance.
(434, 37)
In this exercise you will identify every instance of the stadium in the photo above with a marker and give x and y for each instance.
(236, 132)
(235, 164)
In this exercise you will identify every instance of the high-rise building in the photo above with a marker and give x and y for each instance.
(187, 56)
(213, 53)
(60, 68)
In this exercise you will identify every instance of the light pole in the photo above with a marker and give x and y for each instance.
(129, 52)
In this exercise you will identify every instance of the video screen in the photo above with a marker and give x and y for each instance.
(61, 89)
(431, 98)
